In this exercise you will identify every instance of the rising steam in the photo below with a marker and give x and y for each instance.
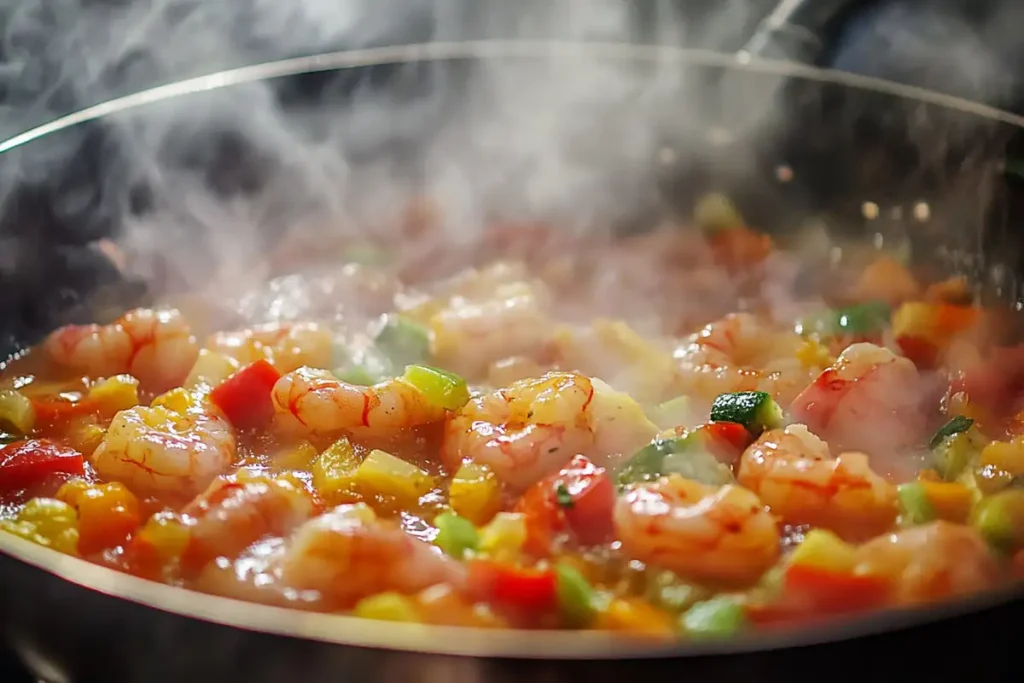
(197, 189)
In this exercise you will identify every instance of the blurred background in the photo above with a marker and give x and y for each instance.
(59, 196)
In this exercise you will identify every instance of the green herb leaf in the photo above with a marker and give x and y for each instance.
(955, 426)
(563, 497)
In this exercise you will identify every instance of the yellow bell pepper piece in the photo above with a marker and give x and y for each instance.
(117, 393)
(475, 493)
(382, 474)
(334, 473)
(824, 550)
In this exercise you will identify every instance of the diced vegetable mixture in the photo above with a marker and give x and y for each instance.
(475, 456)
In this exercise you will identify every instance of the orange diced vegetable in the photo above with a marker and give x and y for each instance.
(951, 501)
(107, 514)
(635, 617)
(888, 280)
(953, 290)
(739, 247)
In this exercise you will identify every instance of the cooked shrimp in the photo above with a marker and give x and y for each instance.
(348, 554)
(332, 562)
(698, 531)
(930, 562)
(740, 353)
(794, 474)
(534, 427)
(308, 401)
(614, 351)
(233, 513)
(157, 450)
(156, 347)
(287, 346)
(869, 400)
(471, 333)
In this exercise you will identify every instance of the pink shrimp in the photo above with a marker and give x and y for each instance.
(535, 426)
(235, 511)
(869, 400)
(721, 534)
(332, 561)
(158, 450)
(315, 401)
(741, 353)
(494, 320)
(930, 562)
(154, 346)
(287, 346)
(796, 477)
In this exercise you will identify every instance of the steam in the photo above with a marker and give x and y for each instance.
(198, 189)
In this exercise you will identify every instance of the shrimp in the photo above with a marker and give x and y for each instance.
(333, 561)
(287, 346)
(469, 333)
(869, 400)
(534, 427)
(929, 562)
(698, 531)
(315, 401)
(156, 347)
(160, 451)
(235, 512)
(740, 353)
(792, 471)
(618, 353)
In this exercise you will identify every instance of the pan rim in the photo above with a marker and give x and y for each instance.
(503, 49)
(352, 631)
(457, 641)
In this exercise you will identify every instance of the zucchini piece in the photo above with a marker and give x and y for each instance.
(576, 597)
(646, 464)
(442, 388)
(955, 426)
(955, 453)
(672, 413)
(403, 342)
(755, 410)
(455, 535)
(682, 455)
(1000, 520)
(860, 319)
(357, 375)
(698, 465)
(720, 617)
(915, 508)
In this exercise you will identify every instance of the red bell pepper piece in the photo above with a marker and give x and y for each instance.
(726, 440)
(244, 397)
(579, 499)
(824, 591)
(26, 463)
(542, 516)
(531, 591)
(922, 352)
(739, 247)
(55, 411)
(996, 383)
(811, 594)
(591, 495)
